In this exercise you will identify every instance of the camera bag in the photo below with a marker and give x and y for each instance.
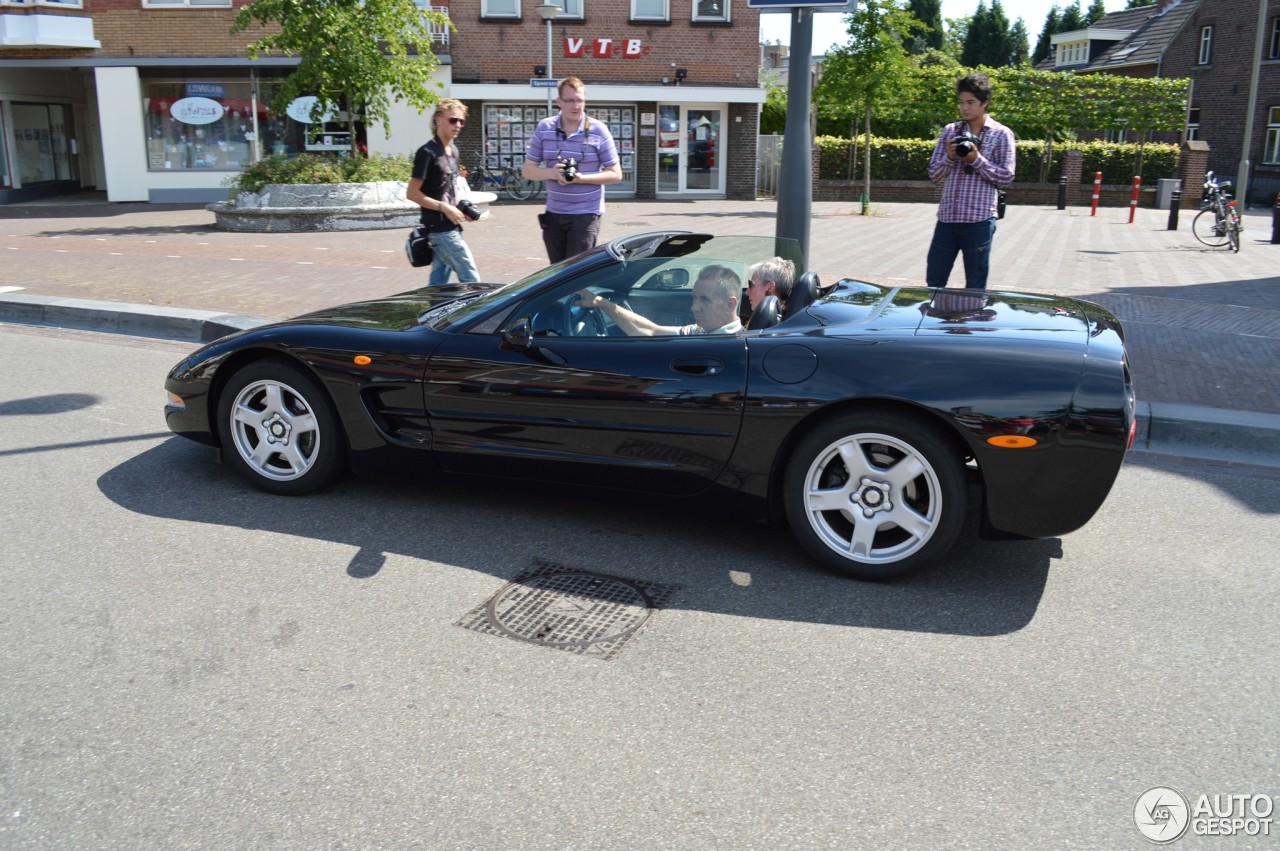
(417, 248)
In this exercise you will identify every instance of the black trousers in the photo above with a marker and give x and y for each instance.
(568, 235)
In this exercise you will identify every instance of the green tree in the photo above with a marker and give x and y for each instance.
(773, 114)
(1021, 51)
(861, 76)
(354, 55)
(1000, 50)
(929, 13)
(977, 37)
(957, 32)
(1072, 19)
(1044, 45)
(1138, 4)
(1097, 11)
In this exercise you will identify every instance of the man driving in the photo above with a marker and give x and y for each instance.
(715, 308)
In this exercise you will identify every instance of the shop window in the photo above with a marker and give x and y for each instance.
(711, 10)
(1206, 46)
(41, 147)
(1271, 154)
(650, 10)
(508, 128)
(212, 124)
(500, 8)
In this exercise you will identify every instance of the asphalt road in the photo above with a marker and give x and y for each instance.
(190, 663)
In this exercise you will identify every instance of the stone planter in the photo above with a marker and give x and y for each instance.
(325, 207)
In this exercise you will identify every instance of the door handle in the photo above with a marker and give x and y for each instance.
(698, 366)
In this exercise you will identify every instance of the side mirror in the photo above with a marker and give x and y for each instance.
(517, 335)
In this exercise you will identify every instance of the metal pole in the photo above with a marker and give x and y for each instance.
(550, 73)
(1242, 179)
(795, 189)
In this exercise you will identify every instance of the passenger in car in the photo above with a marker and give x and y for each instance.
(774, 276)
(715, 308)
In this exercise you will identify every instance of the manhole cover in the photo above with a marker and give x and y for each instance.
(570, 609)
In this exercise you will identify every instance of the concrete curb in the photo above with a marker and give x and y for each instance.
(1212, 434)
(142, 320)
(1164, 428)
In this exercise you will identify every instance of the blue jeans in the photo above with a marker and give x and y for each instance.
(451, 255)
(973, 240)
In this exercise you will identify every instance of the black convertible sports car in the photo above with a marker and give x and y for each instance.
(866, 416)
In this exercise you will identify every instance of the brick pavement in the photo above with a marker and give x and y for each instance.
(1203, 325)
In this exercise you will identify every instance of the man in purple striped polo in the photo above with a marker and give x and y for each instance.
(575, 201)
(975, 158)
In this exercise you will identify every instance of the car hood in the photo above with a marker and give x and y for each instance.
(861, 307)
(398, 312)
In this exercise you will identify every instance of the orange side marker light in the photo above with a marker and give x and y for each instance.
(1011, 441)
(363, 360)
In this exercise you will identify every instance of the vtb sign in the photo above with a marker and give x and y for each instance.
(605, 48)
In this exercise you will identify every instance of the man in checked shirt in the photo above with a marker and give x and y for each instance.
(967, 213)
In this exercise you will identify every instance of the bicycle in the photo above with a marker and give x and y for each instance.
(1218, 222)
(508, 180)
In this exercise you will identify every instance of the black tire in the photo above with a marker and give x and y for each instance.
(1206, 228)
(518, 186)
(899, 512)
(278, 429)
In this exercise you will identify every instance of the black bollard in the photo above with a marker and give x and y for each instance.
(1175, 201)
(1275, 222)
(1062, 193)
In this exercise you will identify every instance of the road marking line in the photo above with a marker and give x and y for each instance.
(11, 289)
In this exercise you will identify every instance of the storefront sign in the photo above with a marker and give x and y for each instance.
(300, 110)
(205, 90)
(196, 111)
(605, 48)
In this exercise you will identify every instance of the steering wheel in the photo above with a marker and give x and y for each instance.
(586, 321)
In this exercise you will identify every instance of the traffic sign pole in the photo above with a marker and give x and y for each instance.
(795, 177)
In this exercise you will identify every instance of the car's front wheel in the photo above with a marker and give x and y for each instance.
(875, 496)
(278, 430)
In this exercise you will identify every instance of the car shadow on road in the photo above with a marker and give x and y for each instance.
(723, 564)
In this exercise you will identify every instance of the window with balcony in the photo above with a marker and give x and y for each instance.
(1206, 46)
(650, 10)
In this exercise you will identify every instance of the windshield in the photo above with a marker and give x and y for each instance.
(655, 269)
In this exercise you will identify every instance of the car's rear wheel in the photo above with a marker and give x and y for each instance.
(278, 429)
(875, 496)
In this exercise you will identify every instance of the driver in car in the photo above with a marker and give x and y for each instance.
(715, 308)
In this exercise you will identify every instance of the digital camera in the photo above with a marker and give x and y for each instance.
(469, 210)
(570, 169)
(966, 143)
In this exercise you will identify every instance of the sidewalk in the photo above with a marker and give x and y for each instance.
(1202, 325)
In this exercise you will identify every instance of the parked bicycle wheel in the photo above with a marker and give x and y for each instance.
(1233, 230)
(518, 186)
(1209, 229)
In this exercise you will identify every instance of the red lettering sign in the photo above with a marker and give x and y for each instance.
(603, 48)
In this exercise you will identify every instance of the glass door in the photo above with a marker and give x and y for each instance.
(690, 150)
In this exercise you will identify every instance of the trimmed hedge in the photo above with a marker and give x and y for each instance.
(908, 159)
(319, 168)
